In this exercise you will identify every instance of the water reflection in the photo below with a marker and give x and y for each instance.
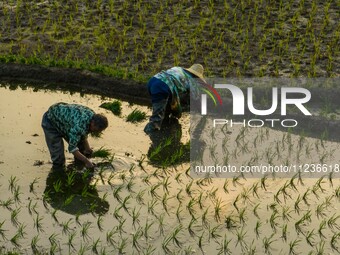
(166, 148)
(73, 193)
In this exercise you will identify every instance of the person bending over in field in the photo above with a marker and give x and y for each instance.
(72, 122)
(169, 90)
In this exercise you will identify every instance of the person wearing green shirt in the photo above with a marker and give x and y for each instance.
(72, 122)
(169, 90)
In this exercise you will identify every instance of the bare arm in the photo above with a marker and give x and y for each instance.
(84, 159)
(87, 148)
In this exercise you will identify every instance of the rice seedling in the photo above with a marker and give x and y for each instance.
(267, 242)
(218, 209)
(190, 207)
(190, 226)
(166, 242)
(135, 217)
(334, 240)
(14, 217)
(82, 249)
(212, 193)
(34, 244)
(53, 239)
(263, 182)
(151, 206)
(38, 223)
(320, 210)
(310, 237)
(136, 116)
(115, 107)
(70, 241)
(153, 190)
(130, 185)
(7, 204)
(245, 195)
(297, 204)
(166, 185)
(57, 186)
(116, 193)
(15, 240)
(161, 224)
(102, 152)
(235, 202)
(293, 245)
(224, 247)
(255, 210)
(12, 183)
(240, 235)
(146, 179)
(174, 236)
(85, 229)
(318, 184)
(320, 248)
(273, 222)
(322, 226)
(214, 232)
(332, 222)
(147, 229)
(337, 192)
(2, 231)
(139, 197)
(187, 173)
(188, 188)
(69, 200)
(95, 246)
(32, 184)
(122, 245)
(135, 238)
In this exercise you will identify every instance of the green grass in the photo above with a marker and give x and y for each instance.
(136, 116)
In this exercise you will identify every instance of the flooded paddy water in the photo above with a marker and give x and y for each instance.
(141, 206)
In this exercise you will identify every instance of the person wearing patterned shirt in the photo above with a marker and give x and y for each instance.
(169, 90)
(72, 122)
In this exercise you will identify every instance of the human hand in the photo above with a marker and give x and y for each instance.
(88, 152)
(89, 165)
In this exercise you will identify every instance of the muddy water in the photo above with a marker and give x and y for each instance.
(142, 207)
(24, 155)
(22, 138)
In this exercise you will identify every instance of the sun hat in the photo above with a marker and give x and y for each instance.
(196, 69)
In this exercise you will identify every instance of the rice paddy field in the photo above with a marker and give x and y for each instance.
(135, 39)
(143, 197)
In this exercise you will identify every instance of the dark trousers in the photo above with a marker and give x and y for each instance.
(161, 98)
(55, 143)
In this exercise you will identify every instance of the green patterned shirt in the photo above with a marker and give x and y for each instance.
(72, 121)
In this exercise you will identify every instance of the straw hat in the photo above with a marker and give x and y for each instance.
(196, 69)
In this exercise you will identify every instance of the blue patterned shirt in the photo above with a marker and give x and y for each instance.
(72, 121)
(180, 82)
